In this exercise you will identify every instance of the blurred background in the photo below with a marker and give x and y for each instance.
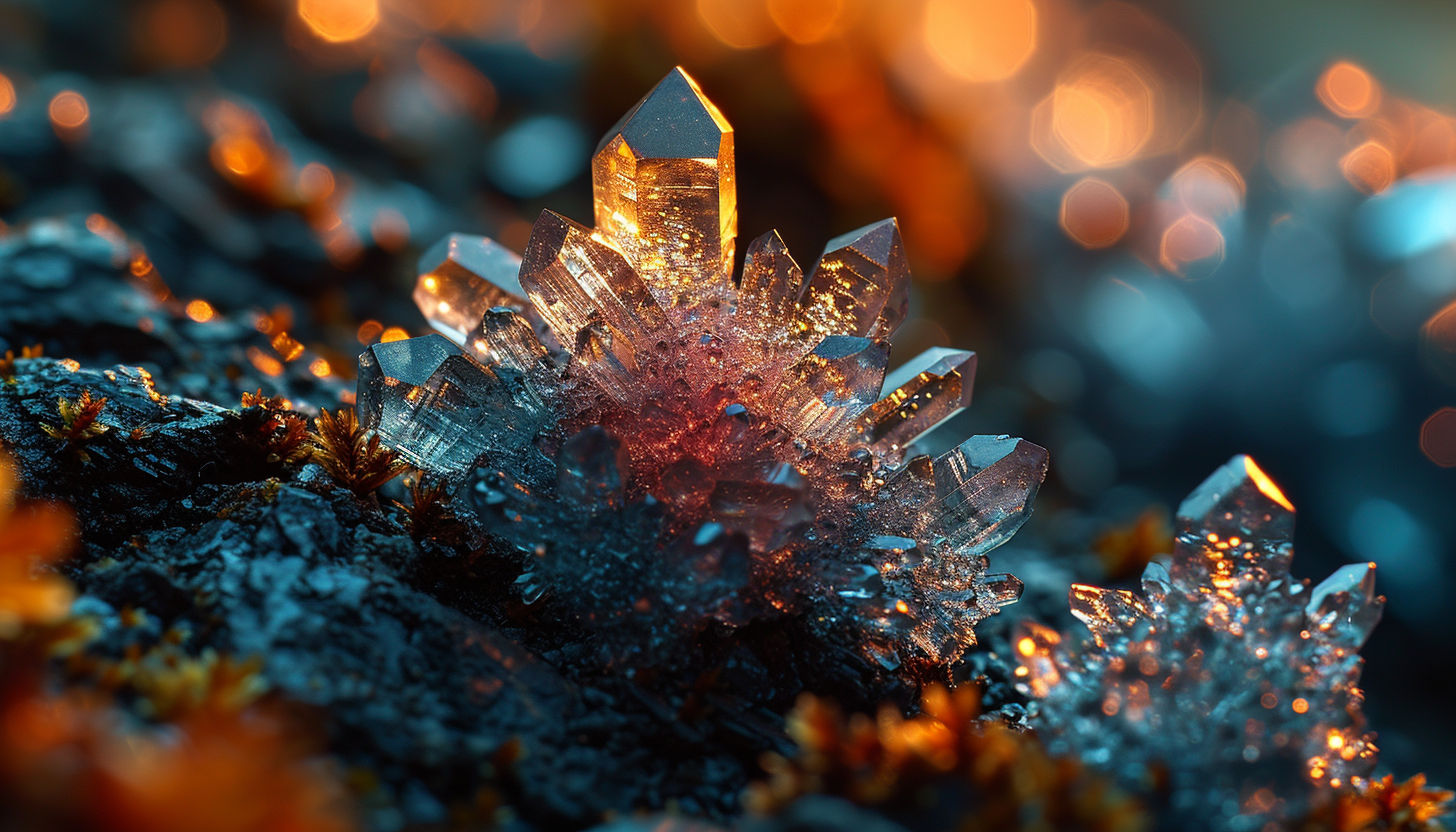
(1173, 230)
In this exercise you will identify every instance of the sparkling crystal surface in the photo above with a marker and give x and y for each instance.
(1226, 672)
(861, 284)
(461, 277)
(441, 409)
(665, 196)
(929, 389)
(666, 447)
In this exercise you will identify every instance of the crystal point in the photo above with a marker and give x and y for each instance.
(984, 490)
(505, 337)
(441, 409)
(861, 284)
(1344, 607)
(1236, 525)
(929, 389)
(825, 390)
(463, 276)
(574, 281)
(665, 195)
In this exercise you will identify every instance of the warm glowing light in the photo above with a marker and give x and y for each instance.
(394, 333)
(390, 229)
(1369, 167)
(1300, 705)
(1266, 486)
(242, 155)
(980, 40)
(265, 363)
(1102, 111)
(1191, 241)
(199, 311)
(320, 368)
(368, 331)
(315, 182)
(806, 21)
(741, 24)
(1026, 646)
(69, 111)
(179, 33)
(7, 95)
(1335, 740)
(339, 21)
(1348, 91)
(1210, 187)
(1094, 213)
(1438, 437)
(1306, 154)
(286, 346)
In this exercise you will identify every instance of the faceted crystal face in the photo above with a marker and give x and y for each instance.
(927, 390)
(861, 285)
(1221, 644)
(663, 184)
(463, 275)
(649, 434)
(433, 404)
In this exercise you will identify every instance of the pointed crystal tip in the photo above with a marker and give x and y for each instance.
(673, 121)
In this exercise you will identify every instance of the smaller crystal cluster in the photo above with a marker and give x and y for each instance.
(1226, 672)
(667, 445)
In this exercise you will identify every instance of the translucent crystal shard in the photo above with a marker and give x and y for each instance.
(823, 392)
(664, 190)
(1237, 527)
(984, 490)
(1344, 607)
(931, 388)
(504, 337)
(610, 360)
(861, 285)
(1108, 613)
(771, 284)
(575, 281)
(463, 276)
(439, 408)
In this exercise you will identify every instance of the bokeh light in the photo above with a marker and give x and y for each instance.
(1370, 168)
(741, 24)
(7, 95)
(1094, 213)
(1438, 437)
(1348, 91)
(807, 21)
(339, 21)
(69, 113)
(980, 40)
(1101, 112)
(180, 33)
(1191, 247)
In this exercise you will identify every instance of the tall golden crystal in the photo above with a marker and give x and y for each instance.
(665, 196)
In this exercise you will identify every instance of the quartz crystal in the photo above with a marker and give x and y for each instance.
(666, 447)
(1224, 671)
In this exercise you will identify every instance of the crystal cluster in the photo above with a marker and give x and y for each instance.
(666, 444)
(1226, 672)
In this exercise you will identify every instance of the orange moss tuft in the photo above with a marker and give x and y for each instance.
(361, 464)
(32, 537)
(1003, 779)
(1383, 806)
(78, 423)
